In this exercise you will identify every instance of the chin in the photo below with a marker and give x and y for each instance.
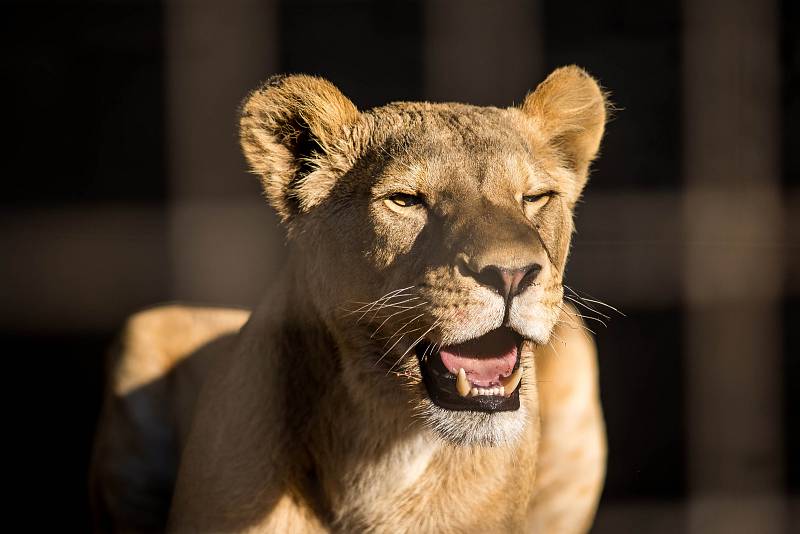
(473, 388)
(466, 428)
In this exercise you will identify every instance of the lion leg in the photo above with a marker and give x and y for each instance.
(153, 376)
(572, 452)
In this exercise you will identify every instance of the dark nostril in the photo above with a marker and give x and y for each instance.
(508, 282)
(496, 278)
(528, 277)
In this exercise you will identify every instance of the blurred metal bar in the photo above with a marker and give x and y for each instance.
(485, 52)
(216, 53)
(733, 336)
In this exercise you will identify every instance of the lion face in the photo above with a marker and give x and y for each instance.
(431, 238)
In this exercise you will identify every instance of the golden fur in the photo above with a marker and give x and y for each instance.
(311, 416)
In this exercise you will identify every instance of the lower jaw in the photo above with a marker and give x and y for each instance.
(441, 387)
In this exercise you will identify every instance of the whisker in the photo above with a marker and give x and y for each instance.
(428, 349)
(388, 296)
(583, 330)
(591, 318)
(574, 325)
(404, 310)
(558, 338)
(388, 350)
(593, 300)
(390, 293)
(398, 339)
(414, 344)
(558, 355)
(434, 347)
(609, 306)
(576, 314)
(394, 305)
(579, 303)
(405, 325)
(390, 337)
(381, 300)
(380, 305)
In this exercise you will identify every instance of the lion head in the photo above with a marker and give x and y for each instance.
(430, 239)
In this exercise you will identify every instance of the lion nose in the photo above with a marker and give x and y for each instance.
(507, 282)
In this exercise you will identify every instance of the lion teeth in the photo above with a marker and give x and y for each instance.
(511, 383)
(495, 391)
(462, 385)
(505, 389)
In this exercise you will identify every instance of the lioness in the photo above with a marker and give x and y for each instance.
(414, 369)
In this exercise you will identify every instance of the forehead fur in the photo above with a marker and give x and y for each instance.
(300, 134)
(416, 139)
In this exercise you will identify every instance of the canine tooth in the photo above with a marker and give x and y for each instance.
(462, 385)
(511, 383)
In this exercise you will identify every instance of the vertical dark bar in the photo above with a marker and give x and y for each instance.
(482, 52)
(223, 238)
(733, 272)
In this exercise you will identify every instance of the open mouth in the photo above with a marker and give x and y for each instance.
(483, 374)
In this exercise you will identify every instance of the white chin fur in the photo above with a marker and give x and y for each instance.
(533, 321)
(476, 428)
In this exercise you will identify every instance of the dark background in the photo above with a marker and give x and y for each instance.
(122, 187)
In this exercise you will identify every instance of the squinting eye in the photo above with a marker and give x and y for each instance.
(404, 200)
(532, 199)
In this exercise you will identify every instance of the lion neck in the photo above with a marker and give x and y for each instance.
(348, 454)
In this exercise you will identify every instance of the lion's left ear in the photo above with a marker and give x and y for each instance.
(569, 108)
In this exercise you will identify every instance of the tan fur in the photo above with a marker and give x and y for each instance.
(314, 418)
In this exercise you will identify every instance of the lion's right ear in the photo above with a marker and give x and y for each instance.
(293, 132)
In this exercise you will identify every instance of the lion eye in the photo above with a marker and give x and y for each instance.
(538, 200)
(404, 200)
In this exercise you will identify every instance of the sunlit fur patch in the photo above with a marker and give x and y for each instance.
(535, 316)
(534, 322)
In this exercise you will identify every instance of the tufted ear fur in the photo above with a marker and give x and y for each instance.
(570, 110)
(293, 132)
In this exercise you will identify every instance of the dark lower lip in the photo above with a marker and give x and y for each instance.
(441, 386)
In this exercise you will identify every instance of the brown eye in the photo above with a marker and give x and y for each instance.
(404, 200)
(540, 198)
